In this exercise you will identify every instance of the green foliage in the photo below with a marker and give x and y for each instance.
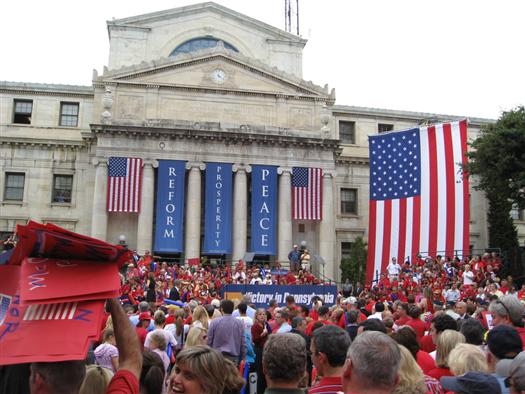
(498, 160)
(354, 268)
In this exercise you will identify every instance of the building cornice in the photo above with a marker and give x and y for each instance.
(345, 160)
(43, 143)
(209, 55)
(145, 19)
(206, 132)
(43, 89)
(396, 115)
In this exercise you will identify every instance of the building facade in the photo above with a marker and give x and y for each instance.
(199, 84)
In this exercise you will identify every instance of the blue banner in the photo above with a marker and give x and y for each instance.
(264, 210)
(262, 294)
(218, 209)
(169, 220)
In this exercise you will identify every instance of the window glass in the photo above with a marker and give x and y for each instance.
(347, 132)
(349, 201)
(62, 187)
(68, 114)
(197, 44)
(22, 111)
(14, 186)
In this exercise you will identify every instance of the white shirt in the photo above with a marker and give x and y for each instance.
(377, 315)
(468, 278)
(393, 268)
(247, 323)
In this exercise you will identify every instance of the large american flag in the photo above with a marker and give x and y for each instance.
(124, 184)
(419, 197)
(307, 192)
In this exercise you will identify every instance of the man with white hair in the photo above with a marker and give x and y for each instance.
(372, 364)
(508, 310)
(516, 379)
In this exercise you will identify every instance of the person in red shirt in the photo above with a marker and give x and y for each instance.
(402, 312)
(126, 380)
(324, 318)
(416, 323)
(407, 337)
(328, 347)
(142, 327)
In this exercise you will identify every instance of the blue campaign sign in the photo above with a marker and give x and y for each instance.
(218, 209)
(264, 210)
(169, 220)
(262, 294)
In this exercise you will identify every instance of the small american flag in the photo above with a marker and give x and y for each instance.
(5, 301)
(307, 193)
(64, 311)
(419, 197)
(124, 184)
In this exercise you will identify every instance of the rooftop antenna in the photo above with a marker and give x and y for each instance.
(291, 15)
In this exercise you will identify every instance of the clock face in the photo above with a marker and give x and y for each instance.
(219, 76)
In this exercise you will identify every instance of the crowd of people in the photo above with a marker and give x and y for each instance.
(435, 325)
(153, 281)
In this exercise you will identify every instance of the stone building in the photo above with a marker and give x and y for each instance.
(199, 84)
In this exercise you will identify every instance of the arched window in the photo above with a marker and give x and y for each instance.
(196, 44)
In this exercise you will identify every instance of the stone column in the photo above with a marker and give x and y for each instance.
(145, 222)
(193, 210)
(99, 219)
(327, 229)
(240, 210)
(284, 244)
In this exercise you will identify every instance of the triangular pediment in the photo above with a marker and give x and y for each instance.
(216, 68)
(195, 10)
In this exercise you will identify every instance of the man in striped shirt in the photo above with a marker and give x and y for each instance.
(329, 346)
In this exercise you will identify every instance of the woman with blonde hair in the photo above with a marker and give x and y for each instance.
(200, 317)
(411, 378)
(96, 380)
(196, 336)
(203, 370)
(446, 342)
(467, 358)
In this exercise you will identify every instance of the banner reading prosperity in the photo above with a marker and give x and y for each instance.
(218, 209)
(170, 206)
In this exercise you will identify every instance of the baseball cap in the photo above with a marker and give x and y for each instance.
(144, 316)
(504, 342)
(471, 383)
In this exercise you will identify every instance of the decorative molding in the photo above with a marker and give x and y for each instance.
(284, 170)
(242, 167)
(210, 55)
(229, 137)
(41, 143)
(195, 164)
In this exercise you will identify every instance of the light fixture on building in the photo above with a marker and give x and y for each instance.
(122, 240)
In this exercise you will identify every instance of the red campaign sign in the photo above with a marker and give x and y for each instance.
(51, 241)
(46, 280)
(49, 332)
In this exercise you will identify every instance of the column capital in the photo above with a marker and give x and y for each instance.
(195, 164)
(150, 162)
(329, 173)
(103, 161)
(242, 167)
(283, 170)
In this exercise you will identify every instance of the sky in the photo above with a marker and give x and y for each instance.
(456, 57)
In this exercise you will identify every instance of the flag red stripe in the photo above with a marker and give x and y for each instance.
(402, 230)
(416, 228)
(387, 231)
(433, 176)
(371, 242)
(450, 192)
(466, 197)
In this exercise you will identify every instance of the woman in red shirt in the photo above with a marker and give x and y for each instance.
(446, 341)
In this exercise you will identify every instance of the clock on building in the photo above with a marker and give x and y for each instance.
(219, 76)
